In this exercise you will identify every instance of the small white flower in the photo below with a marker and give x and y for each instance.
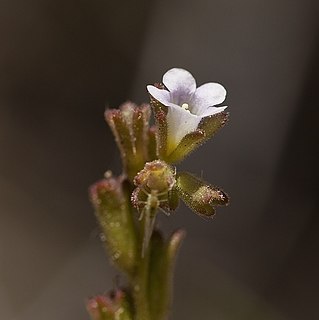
(187, 105)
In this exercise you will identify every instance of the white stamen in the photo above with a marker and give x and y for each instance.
(185, 106)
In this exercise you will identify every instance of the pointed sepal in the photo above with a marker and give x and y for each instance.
(130, 126)
(160, 115)
(200, 196)
(111, 199)
(190, 142)
(211, 124)
(152, 144)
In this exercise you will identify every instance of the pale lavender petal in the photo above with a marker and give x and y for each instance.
(207, 95)
(213, 110)
(179, 81)
(163, 96)
(180, 122)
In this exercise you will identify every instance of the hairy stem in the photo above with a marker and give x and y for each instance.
(140, 289)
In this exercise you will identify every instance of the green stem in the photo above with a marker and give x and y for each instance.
(140, 289)
(141, 283)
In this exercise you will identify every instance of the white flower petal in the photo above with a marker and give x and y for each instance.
(179, 81)
(163, 96)
(186, 104)
(207, 95)
(180, 122)
(213, 110)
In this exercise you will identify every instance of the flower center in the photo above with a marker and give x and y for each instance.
(185, 106)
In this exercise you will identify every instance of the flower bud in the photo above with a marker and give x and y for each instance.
(111, 199)
(200, 196)
(156, 179)
(156, 175)
(153, 191)
(130, 126)
(114, 306)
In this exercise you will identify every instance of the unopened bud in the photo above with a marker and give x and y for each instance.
(159, 177)
(156, 175)
(153, 190)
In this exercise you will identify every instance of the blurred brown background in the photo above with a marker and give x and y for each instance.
(63, 62)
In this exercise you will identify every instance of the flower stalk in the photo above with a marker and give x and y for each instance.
(126, 207)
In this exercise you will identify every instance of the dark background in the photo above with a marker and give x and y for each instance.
(63, 62)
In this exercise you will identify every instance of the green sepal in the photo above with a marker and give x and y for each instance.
(152, 145)
(160, 114)
(162, 261)
(211, 124)
(173, 199)
(115, 306)
(123, 136)
(172, 202)
(206, 129)
(130, 125)
(200, 196)
(190, 142)
(111, 199)
(140, 124)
